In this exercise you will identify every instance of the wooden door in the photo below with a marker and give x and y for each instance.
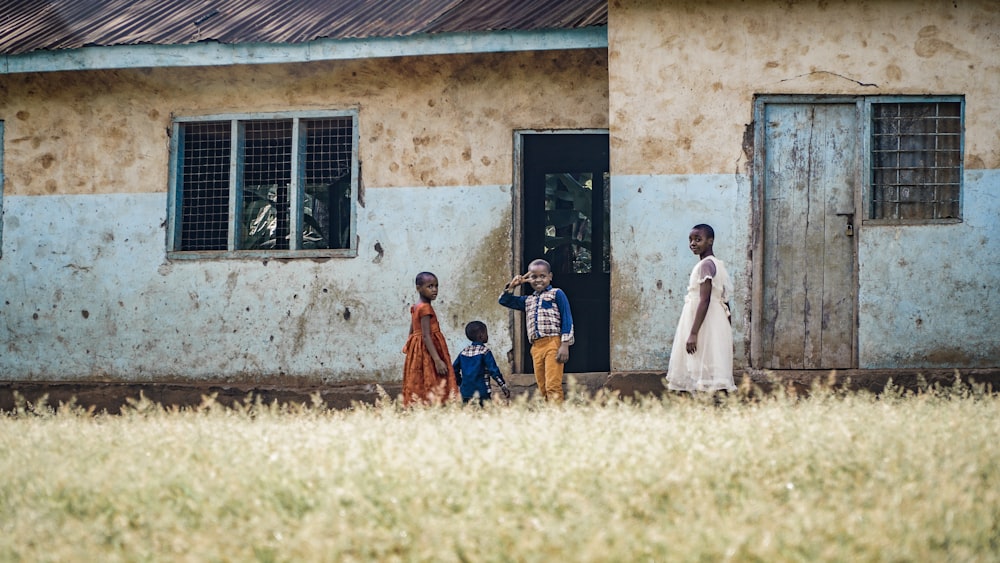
(807, 315)
(566, 222)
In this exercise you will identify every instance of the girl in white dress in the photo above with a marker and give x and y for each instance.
(702, 356)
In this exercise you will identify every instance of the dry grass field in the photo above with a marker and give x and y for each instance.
(835, 477)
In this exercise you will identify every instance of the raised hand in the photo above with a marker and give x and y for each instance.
(519, 279)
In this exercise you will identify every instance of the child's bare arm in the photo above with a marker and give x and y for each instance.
(707, 272)
(425, 328)
(704, 298)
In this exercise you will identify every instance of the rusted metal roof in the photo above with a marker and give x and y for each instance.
(33, 25)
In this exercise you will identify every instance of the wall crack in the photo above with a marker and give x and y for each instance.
(858, 82)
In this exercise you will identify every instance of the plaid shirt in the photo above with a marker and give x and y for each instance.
(546, 313)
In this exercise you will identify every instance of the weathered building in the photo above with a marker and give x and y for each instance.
(785, 125)
(244, 193)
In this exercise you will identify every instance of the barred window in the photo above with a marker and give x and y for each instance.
(279, 185)
(916, 160)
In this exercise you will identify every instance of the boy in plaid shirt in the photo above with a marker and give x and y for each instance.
(550, 326)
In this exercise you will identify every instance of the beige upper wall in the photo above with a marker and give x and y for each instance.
(683, 73)
(442, 120)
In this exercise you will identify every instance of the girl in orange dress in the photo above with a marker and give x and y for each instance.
(428, 376)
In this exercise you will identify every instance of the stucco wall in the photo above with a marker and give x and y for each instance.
(653, 261)
(86, 179)
(683, 76)
(89, 293)
(929, 296)
(424, 121)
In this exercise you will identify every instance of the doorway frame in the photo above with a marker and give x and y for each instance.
(517, 222)
(760, 101)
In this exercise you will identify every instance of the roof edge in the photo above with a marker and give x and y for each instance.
(219, 54)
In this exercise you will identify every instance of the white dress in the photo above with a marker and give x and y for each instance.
(710, 368)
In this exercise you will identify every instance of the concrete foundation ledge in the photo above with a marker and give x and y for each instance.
(871, 380)
(111, 397)
(800, 382)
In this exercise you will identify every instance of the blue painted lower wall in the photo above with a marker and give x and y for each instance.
(89, 294)
(928, 295)
(651, 217)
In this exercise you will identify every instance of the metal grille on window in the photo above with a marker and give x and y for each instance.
(916, 160)
(267, 178)
(327, 194)
(205, 185)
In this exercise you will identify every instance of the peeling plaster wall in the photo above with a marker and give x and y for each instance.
(424, 121)
(646, 307)
(94, 297)
(683, 76)
(87, 290)
(930, 296)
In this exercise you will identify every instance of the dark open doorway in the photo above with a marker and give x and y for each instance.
(565, 220)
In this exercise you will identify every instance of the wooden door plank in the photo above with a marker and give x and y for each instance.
(778, 257)
(818, 133)
(773, 214)
(796, 275)
(784, 264)
(838, 316)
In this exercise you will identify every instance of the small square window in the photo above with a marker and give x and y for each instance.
(916, 161)
(282, 185)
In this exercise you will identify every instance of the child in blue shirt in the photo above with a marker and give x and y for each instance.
(475, 363)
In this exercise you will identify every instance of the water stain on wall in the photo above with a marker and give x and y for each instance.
(929, 44)
(486, 270)
(626, 326)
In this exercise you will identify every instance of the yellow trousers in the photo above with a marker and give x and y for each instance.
(548, 370)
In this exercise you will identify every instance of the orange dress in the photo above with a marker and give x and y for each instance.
(421, 382)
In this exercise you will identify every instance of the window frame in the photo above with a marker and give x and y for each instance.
(867, 188)
(296, 191)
